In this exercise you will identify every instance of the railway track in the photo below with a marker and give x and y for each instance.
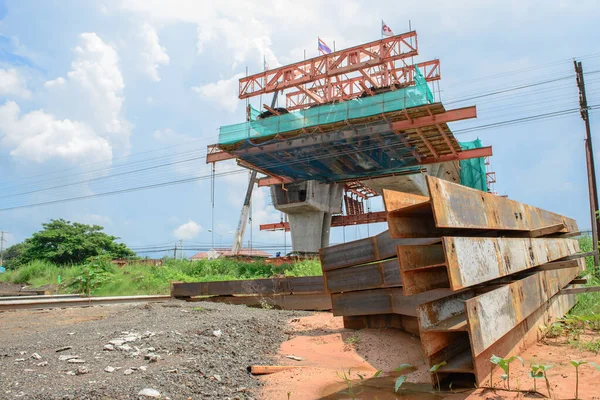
(63, 301)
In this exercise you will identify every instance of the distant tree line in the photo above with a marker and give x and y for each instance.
(64, 242)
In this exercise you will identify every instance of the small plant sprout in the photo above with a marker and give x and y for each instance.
(401, 379)
(504, 363)
(577, 364)
(539, 371)
(535, 373)
(347, 378)
(434, 370)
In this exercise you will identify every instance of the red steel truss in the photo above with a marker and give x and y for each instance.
(375, 62)
(347, 86)
(336, 220)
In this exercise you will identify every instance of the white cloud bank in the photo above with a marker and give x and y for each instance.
(93, 90)
(187, 231)
(153, 54)
(12, 83)
(38, 136)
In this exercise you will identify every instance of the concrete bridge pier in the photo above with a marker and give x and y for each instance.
(309, 206)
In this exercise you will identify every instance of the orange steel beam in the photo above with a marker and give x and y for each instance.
(274, 180)
(457, 114)
(218, 156)
(336, 220)
(461, 155)
(347, 87)
(366, 56)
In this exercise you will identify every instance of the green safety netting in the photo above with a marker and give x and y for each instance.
(472, 171)
(411, 96)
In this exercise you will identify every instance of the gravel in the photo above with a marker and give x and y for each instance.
(179, 350)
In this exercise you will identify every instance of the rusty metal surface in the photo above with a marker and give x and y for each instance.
(381, 301)
(493, 314)
(456, 210)
(457, 206)
(306, 284)
(370, 276)
(301, 301)
(465, 328)
(363, 251)
(469, 261)
(523, 335)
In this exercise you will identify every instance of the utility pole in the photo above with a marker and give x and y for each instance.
(1, 248)
(181, 245)
(589, 156)
(175, 252)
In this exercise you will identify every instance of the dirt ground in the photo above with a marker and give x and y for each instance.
(327, 350)
(181, 350)
(202, 351)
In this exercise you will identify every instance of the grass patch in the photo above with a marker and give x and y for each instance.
(137, 279)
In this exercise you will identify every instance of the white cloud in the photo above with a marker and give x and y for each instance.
(96, 219)
(38, 136)
(223, 92)
(153, 53)
(187, 231)
(55, 82)
(93, 90)
(169, 136)
(12, 83)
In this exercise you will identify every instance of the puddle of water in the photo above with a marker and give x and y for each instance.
(382, 388)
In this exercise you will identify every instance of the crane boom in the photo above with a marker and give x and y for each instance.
(241, 228)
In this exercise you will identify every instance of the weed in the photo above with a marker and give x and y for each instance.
(504, 363)
(134, 279)
(555, 330)
(434, 370)
(577, 364)
(540, 371)
(401, 379)
(352, 339)
(95, 271)
(346, 377)
(265, 305)
(199, 309)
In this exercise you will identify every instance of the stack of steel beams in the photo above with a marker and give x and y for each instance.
(472, 273)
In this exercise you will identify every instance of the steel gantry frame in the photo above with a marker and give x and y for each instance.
(343, 74)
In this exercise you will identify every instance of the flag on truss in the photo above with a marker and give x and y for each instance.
(323, 48)
(386, 30)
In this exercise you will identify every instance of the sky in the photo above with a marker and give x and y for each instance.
(100, 97)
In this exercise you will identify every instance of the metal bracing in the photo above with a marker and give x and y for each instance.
(366, 59)
(345, 87)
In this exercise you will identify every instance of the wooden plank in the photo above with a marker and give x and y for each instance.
(469, 261)
(493, 314)
(307, 302)
(271, 369)
(307, 284)
(381, 301)
(363, 277)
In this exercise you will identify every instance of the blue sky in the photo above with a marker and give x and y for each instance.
(105, 96)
